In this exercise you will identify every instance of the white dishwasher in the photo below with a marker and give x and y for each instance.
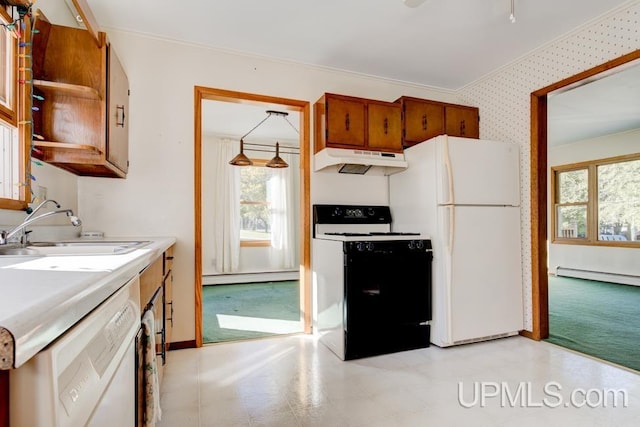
(87, 376)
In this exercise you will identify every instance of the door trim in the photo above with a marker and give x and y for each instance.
(539, 165)
(303, 107)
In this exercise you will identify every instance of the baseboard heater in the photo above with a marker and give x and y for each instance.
(267, 276)
(602, 276)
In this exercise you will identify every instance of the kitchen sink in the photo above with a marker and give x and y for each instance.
(94, 247)
(16, 250)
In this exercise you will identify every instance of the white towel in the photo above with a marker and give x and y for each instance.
(153, 413)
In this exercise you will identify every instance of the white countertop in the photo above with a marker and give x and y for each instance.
(43, 296)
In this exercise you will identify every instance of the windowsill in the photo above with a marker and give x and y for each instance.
(254, 243)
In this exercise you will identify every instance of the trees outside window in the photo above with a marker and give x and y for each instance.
(255, 206)
(597, 202)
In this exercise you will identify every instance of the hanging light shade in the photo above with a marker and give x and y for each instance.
(241, 159)
(277, 161)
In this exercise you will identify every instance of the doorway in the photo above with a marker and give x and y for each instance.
(540, 185)
(301, 109)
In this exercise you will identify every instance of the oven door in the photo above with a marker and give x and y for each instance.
(387, 297)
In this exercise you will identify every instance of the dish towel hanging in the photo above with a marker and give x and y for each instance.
(152, 389)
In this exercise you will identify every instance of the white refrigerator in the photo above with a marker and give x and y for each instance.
(465, 194)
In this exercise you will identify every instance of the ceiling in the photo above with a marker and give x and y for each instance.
(601, 107)
(441, 43)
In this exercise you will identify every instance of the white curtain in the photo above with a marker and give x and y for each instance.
(226, 206)
(283, 190)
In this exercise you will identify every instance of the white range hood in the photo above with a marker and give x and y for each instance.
(359, 162)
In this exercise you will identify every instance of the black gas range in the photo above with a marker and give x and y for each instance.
(373, 285)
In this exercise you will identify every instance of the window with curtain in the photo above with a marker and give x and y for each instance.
(255, 204)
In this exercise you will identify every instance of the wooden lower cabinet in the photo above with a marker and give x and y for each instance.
(156, 283)
(4, 398)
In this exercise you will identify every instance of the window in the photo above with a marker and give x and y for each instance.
(13, 142)
(597, 202)
(255, 206)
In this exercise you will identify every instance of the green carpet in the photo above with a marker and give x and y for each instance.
(251, 310)
(596, 318)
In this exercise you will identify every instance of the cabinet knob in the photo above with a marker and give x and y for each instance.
(386, 126)
(347, 121)
(424, 122)
(120, 115)
(463, 128)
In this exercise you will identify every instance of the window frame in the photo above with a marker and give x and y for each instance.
(256, 243)
(14, 116)
(592, 238)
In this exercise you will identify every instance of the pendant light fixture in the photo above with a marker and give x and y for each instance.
(241, 159)
(277, 162)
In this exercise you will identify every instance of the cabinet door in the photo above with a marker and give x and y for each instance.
(384, 128)
(345, 122)
(158, 315)
(462, 121)
(118, 112)
(168, 308)
(422, 120)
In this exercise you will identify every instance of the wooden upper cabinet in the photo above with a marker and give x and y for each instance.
(349, 122)
(345, 122)
(462, 121)
(118, 112)
(384, 126)
(81, 123)
(422, 120)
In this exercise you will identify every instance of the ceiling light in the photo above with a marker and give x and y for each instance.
(277, 161)
(241, 159)
(512, 17)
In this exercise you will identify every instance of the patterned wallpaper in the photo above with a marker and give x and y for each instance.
(504, 96)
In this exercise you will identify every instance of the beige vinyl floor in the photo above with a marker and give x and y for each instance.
(297, 381)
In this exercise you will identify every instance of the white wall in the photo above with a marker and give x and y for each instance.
(504, 96)
(157, 196)
(594, 258)
(60, 185)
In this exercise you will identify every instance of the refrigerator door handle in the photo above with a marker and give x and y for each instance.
(448, 190)
(449, 227)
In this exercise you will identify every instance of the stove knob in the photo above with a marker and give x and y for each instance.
(371, 212)
(361, 246)
(420, 244)
(337, 212)
(370, 246)
(412, 245)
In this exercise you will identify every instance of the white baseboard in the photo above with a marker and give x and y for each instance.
(271, 276)
(624, 279)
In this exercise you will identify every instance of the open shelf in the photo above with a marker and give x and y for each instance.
(66, 145)
(67, 89)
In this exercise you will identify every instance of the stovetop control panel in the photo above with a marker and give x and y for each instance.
(351, 214)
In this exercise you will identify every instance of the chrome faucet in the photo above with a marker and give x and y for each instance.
(5, 236)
